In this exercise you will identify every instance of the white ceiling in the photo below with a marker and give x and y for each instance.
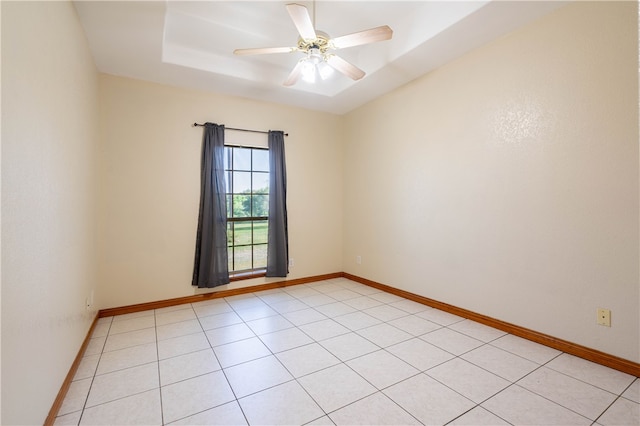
(190, 43)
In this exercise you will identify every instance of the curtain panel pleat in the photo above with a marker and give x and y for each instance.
(278, 234)
(211, 262)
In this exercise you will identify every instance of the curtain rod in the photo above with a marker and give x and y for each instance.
(239, 130)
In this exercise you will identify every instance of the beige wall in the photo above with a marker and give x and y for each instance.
(151, 183)
(506, 182)
(49, 149)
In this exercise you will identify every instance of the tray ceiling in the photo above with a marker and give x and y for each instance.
(190, 43)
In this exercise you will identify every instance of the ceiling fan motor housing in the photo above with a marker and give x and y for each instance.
(321, 42)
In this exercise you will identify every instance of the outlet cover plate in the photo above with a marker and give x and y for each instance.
(604, 317)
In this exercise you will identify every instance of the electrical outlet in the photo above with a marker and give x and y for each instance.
(358, 260)
(291, 262)
(604, 317)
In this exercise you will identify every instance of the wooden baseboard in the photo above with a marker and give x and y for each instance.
(594, 355)
(62, 393)
(214, 295)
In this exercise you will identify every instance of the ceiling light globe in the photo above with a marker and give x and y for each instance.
(308, 71)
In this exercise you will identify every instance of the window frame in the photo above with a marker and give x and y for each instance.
(229, 170)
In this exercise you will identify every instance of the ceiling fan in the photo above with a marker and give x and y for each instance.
(317, 47)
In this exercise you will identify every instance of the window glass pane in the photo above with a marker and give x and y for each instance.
(242, 158)
(260, 205)
(260, 256)
(230, 255)
(229, 235)
(242, 233)
(261, 182)
(260, 228)
(229, 205)
(242, 258)
(260, 160)
(227, 157)
(227, 181)
(241, 205)
(241, 182)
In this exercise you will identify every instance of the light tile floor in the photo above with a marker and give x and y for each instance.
(333, 352)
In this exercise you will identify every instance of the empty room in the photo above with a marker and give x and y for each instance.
(320, 212)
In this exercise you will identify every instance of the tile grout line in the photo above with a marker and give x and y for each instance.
(484, 343)
(328, 414)
(511, 383)
(314, 341)
(380, 348)
(593, 421)
(155, 322)
(325, 414)
(95, 373)
(280, 362)
(540, 366)
(222, 369)
(93, 377)
(354, 371)
(606, 409)
(269, 305)
(582, 381)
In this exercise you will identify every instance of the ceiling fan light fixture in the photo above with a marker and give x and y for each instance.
(314, 64)
(308, 71)
(325, 70)
(314, 56)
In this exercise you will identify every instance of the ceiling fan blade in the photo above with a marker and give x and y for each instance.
(345, 67)
(300, 17)
(295, 75)
(264, 50)
(363, 37)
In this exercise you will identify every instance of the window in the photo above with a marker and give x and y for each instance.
(247, 191)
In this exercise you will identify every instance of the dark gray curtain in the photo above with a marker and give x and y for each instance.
(211, 262)
(278, 238)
